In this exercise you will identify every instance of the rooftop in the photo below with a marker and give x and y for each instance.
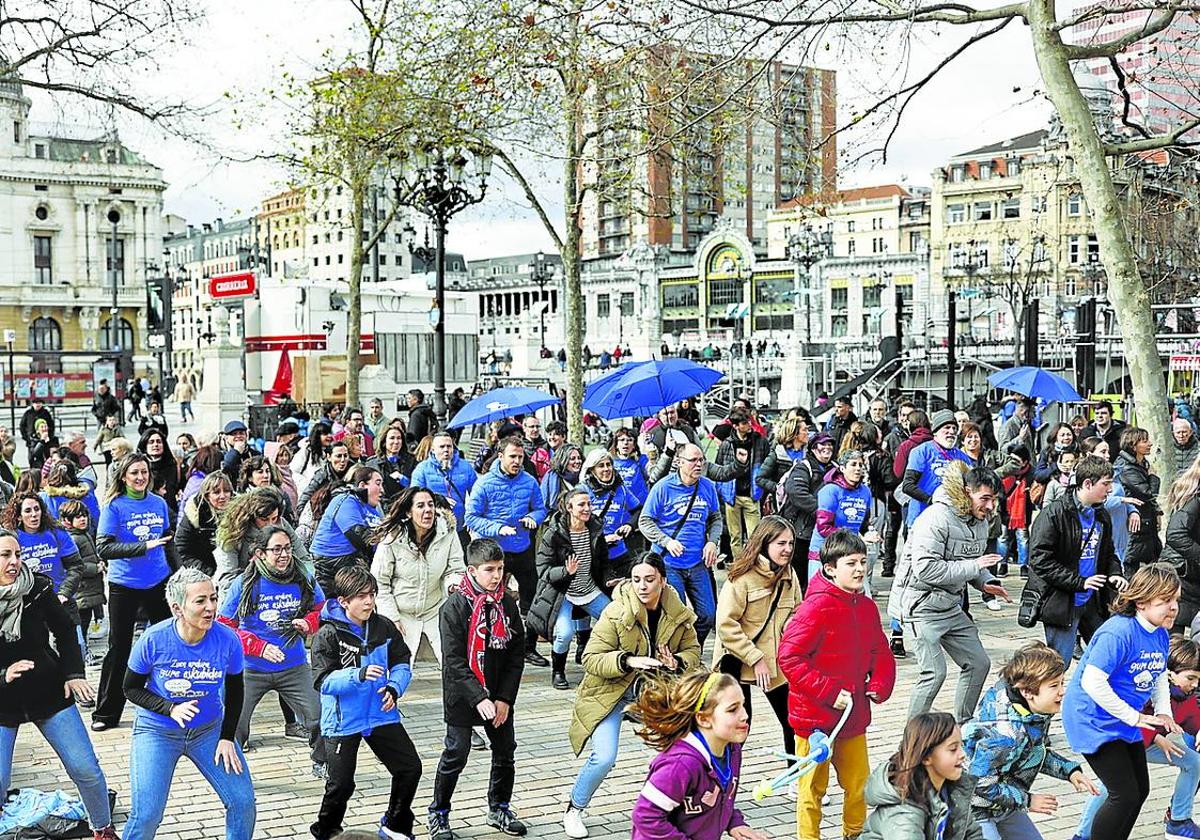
(1025, 142)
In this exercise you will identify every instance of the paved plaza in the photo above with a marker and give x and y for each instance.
(288, 796)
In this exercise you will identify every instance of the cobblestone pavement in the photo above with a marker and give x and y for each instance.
(288, 796)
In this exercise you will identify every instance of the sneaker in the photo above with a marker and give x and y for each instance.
(1181, 830)
(109, 833)
(438, 824)
(897, 646)
(994, 605)
(295, 731)
(573, 822)
(389, 834)
(1077, 652)
(101, 725)
(505, 821)
(478, 742)
(319, 771)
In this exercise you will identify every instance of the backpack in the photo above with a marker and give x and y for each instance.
(783, 504)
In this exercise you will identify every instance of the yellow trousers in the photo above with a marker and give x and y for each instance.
(742, 506)
(850, 761)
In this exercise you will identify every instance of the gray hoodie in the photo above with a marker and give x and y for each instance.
(894, 818)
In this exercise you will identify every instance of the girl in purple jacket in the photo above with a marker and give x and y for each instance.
(698, 724)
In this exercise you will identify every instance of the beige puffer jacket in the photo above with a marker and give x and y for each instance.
(742, 609)
(412, 585)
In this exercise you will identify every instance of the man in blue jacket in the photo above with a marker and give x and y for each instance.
(507, 506)
(445, 472)
(682, 518)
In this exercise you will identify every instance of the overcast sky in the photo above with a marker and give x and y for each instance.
(989, 94)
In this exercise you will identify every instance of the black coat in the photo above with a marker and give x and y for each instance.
(422, 422)
(29, 421)
(196, 536)
(553, 581)
(392, 473)
(38, 693)
(1054, 547)
(800, 488)
(1144, 544)
(88, 590)
(105, 405)
(1182, 548)
(502, 667)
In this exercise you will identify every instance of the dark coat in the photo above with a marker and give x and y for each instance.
(1144, 544)
(88, 589)
(502, 667)
(196, 536)
(552, 555)
(1112, 437)
(422, 422)
(38, 693)
(1182, 548)
(801, 486)
(392, 486)
(29, 420)
(105, 405)
(1054, 548)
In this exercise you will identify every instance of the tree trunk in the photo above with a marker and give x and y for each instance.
(572, 197)
(1127, 292)
(354, 295)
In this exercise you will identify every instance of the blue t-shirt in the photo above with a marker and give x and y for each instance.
(1134, 658)
(1089, 549)
(277, 604)
(43, 552)
(346, 511)
(930, 460)
(633, 474)
(181, 672)
(666, 504)
(850, 508)
(617, 505)
(136, 520)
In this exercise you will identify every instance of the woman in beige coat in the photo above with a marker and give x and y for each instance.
(646, 629)
(752, 609)
(417, 559)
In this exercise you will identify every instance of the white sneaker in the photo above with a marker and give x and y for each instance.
(573, 822)
(994, 605)
(825, 800)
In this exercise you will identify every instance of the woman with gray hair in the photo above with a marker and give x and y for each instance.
(185, 677)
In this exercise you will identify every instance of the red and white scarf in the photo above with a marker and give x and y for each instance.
(489, 624)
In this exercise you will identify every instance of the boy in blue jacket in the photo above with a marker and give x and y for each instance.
(361, 669)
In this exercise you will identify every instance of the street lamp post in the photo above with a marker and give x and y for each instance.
(114, 218)
(434, 182)
(806, 248)
(541, 272)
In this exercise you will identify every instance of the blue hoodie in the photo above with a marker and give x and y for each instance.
(930, 460)
(341, 652)
(501, 500)
(454, 483)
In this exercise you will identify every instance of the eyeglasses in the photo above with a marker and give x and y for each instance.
(279, 550)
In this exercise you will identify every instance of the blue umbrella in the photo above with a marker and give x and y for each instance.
(501, 403)
(647, 387)
(1035, 382)
(605, 380)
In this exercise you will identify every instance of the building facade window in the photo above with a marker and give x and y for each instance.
(42, 264)
(984, 211)
(678, 295)
(722, 292)
(115, 259)
(1075, 204)
(1014, 167)
(839, 299)
(839, 326)
(45, 334)
(626, 304)
(603, 306)
(124, 335)
(985, 171)
(1011, 208)
(956, 214)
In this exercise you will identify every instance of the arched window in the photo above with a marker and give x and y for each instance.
(45, 334)
(124, 336)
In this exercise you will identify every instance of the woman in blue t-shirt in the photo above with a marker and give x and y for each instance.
(185, 677)
(343, 537)
(45, 547)
(1124, 670)
(132, 538)
(273, 606)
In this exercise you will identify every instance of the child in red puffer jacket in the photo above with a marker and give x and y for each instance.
(833, 652)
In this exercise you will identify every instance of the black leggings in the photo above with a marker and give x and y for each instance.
(1121, 766)
(778, 698)
(124, 603)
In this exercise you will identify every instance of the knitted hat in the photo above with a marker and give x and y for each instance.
(945, 417)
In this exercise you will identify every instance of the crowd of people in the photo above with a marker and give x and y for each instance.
(212, 573)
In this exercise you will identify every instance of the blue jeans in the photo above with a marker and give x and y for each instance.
(1062, 639)
(695, 586)
(1185, 785)
(65, 732)
(152, 761)
(602, 758)
(565, 626)
(1015, 826)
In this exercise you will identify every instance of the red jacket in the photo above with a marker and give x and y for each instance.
(900, 464)
(834, 641)
(1186, 711)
